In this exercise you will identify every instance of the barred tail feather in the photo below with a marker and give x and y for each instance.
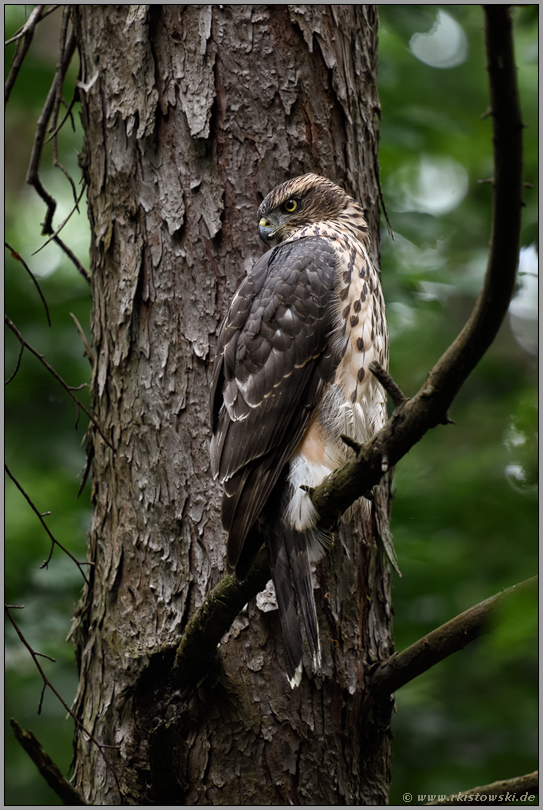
(289, 563)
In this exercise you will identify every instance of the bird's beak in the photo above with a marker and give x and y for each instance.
(265, 229)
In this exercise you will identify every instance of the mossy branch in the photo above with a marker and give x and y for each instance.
(452, 636)
(213, 619)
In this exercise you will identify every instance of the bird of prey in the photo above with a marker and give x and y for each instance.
(290, 378)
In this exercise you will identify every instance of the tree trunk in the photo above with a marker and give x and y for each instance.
(192, 114)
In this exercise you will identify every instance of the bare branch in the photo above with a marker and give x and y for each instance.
(50, 110)
(27, 32)
(17, 365)
(57, 376)
(402, 667)
(48, 769)
(21, 32)
(63, 223)
(32, 176)
(88, 350)
(67, 114)
(54, 541)
(392, 388)
(71, 255)
(56, 108)
(504, 790)
(17, 256)
(62, 37)
(47, 683)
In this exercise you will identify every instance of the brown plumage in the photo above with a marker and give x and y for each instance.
(291, 376)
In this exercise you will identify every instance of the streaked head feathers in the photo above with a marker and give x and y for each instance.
(304, 201)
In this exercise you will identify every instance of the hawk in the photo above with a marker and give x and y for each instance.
(290, 378)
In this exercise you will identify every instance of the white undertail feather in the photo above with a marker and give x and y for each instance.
(297, 678)
(355, 404)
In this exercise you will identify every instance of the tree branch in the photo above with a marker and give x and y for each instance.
(32, 175)
(402, 667)
(412, 418)
(18, 258)
(213, 619)
(57, 376)
(22, 31)
(27, 32)
(47, 683)
(54, 235)
(504, 790)
(48, 769)
(54, 541)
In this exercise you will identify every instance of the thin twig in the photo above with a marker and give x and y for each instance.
(391, 387)
(88, 351)
(62, 48)
(403, 667)
(47, 683)
(54, 541)
(67, 114)
(17, 256)
(21, 32)
(48, 769)
(32, 175)
(57, 376)
(58, 101)
(49, 658)
(51, 106)
(61, 226)
(71, 255)
(17, 365)
(503, 791)
(34, 656)
(27, 31)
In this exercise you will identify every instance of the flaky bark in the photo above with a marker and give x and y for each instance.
(192, 114)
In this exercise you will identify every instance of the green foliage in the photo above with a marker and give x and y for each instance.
(464, 518)
(465, 513)
(44, 451)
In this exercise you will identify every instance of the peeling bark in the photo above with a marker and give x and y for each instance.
(196, 113)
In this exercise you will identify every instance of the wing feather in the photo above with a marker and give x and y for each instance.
(273, 362)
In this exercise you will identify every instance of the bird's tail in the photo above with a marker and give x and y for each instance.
(289, 563)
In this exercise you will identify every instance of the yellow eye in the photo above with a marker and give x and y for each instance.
(290, 206)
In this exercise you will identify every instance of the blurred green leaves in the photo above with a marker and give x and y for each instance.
(44, 450)
(465, 514)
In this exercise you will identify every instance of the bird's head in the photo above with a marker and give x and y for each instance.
(302, 201)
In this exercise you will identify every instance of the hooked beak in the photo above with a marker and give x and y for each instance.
(267, 230)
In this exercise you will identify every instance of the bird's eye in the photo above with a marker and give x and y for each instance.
(290, 206)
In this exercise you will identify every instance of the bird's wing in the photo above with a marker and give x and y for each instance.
(273, 363)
